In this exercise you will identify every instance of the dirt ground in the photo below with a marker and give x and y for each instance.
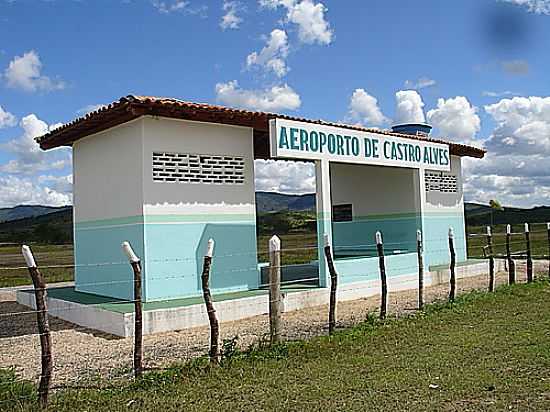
(81, 354)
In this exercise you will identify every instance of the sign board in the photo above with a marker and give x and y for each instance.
(300, 140)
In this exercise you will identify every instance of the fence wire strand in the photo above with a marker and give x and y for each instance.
(90, 367)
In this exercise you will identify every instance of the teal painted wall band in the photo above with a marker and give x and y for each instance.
(403, 215)
(155, 219)
(172, 258)
(121, 221)
(202, 218)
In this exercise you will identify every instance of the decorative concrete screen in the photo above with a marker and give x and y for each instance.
(440, 182)
(197, 168)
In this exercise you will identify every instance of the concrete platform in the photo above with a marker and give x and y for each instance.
(116, 316)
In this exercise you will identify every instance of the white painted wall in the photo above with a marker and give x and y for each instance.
(107, 173)
(373, 189)
(180, 136)
(447, 202)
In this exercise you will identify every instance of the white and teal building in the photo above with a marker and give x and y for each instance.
(167, 175)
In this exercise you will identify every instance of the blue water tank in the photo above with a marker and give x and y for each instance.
(415, 129)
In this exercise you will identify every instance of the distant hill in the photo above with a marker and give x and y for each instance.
(275, 202)
(54, 225)
(24, 211)
(477, 215)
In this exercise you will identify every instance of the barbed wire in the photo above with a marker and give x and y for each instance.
(369, 275)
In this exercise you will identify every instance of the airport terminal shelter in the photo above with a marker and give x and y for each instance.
(167, 175)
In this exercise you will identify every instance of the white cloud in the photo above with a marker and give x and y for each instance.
(273, 56)
(409, 107)
(24, 72)
(490, 93)
(28, 157)
(523, 126)
(533, 6)
(32, 176)
(6, 119)
(230, 20)
(273, 99)
(363, 108)
(169, 6)
(17, 190)
(515, 170)
(308, 16)
(284, 176)
(420, 83)
(456, 119)
(60, 184)
(179, 6)
(273, 4)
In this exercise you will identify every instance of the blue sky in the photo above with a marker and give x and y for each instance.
(475, 69)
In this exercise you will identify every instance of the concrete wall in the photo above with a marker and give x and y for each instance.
(441, 211)
(168, 224)
(107, 174)
(394, 201)
(382, 198)
(108, 208)
(181, 217)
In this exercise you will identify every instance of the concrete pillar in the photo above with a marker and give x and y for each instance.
(324, 216)
(420, 201)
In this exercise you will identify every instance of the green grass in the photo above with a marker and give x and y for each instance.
(14, 393)
(46, 255)
(539, 240)
(296, 248)
(485, 352)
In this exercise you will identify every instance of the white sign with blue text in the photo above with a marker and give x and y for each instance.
(299, 140)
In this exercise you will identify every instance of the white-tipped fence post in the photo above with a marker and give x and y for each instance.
(511, 263)
(214, 352)
(452, 279)
(275, 289)
(548, 238)
(529, 256)
(420, 254)
(43, 326)
(138, 309)
(491, 259)
(383, 276)
(333, 286)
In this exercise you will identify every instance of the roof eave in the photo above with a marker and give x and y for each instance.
(131, 107)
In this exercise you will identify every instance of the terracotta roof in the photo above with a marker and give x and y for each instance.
(132, 107)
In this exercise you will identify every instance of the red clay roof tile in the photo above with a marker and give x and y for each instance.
(132, 107)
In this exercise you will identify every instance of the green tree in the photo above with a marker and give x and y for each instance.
(494, 205)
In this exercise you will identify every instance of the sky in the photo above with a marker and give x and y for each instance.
(477, 70)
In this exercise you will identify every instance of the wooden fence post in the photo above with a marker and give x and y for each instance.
(511, 263)
(138, 309)
(43, 326)
(275, 289)
(213, 320)
(333, 286)
(420, 253)
(491, 259)
(383, 277)
(452, 280)
(548, 235)
(529, 257)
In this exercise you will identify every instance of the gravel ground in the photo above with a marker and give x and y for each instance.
(82, 354)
